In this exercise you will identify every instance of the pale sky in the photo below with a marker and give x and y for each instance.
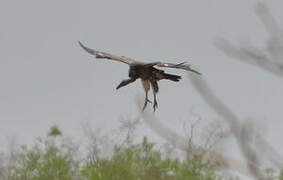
(46, 78)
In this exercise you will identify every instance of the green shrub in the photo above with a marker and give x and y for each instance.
(47, 160)
(54, 159)
(142, 162)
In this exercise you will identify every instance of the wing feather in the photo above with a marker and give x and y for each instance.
(183, 65)
(103, 55)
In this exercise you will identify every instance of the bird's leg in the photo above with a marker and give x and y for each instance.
(155, 105)
(125, 82)
(146, 100)
(155, 91)
(146, 87)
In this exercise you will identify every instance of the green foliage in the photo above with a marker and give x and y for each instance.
(45, 161)
(53, 159)
(54, 131)
(281, 175)
(142, 162)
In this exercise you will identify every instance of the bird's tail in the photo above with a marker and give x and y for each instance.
(172, 77)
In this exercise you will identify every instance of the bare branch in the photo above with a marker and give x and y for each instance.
(270, 58)
(163, 131)
(181, 143)
(267, 19)
(98, 145)
(214, 133)
(232, 120)
(191, 145)
(129, 126)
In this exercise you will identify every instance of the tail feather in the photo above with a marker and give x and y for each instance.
(172, 77)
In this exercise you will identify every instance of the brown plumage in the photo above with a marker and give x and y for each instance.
(147, 72)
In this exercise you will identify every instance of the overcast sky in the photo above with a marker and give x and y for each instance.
(46, 78)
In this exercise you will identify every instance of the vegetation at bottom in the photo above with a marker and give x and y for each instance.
(57, 158)
(141, 161)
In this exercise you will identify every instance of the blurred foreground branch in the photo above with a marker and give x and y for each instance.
(240, 132)
(269, 58)
(181, 143)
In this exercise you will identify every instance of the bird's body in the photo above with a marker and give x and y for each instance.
(148, 74)
(149, 77)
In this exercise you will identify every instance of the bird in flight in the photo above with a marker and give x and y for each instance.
(147, 72)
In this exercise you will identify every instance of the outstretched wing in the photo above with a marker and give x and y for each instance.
(103, 55)
(183, 65)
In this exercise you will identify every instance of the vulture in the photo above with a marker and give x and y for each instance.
(147, 72)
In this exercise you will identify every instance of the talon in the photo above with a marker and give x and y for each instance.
(144, 106)
(155, 106)
(149, 101)
(145, 103)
